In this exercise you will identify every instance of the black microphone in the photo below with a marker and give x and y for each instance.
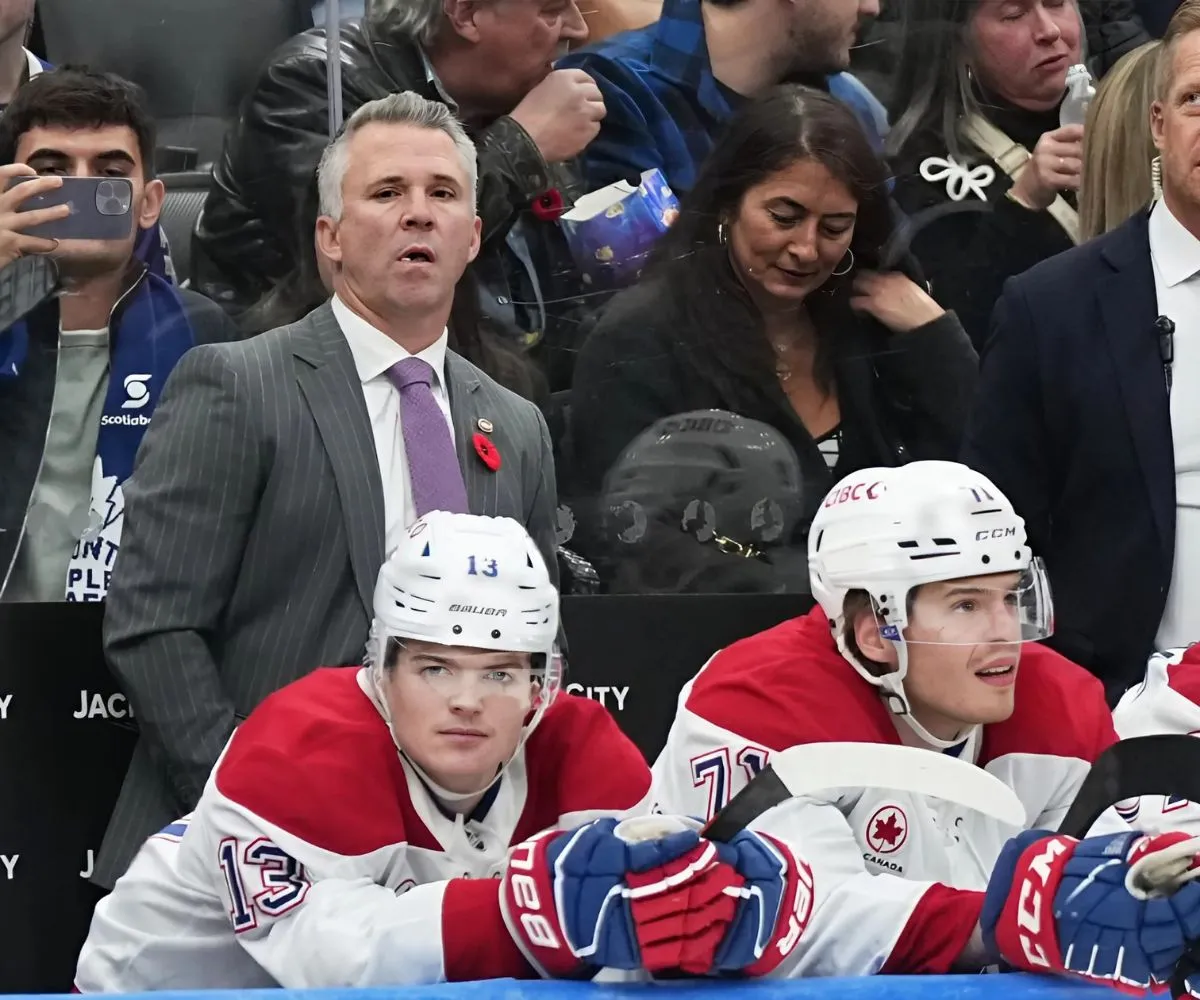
(1164, 329)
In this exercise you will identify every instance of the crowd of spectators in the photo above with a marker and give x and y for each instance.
(848, 186)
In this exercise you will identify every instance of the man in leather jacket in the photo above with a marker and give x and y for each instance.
(492, 63)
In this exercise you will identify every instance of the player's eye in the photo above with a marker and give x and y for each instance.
(500, 676)
(434, 670)
(967, 606)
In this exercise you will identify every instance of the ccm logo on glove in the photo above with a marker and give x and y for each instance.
(1037, 894)
(1119, 909)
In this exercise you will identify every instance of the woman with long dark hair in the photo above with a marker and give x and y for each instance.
(985, 171)
(766, 298)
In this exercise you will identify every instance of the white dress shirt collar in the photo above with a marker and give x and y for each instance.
(1174, 250)
(375, 352)
(34, 64)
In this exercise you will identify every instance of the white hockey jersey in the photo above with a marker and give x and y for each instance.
(889, 869)
(317, 858)
(1167, 701)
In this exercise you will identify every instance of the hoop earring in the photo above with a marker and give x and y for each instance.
(722, 233)
(848, 268)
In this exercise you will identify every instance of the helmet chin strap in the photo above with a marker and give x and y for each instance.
(891, 689)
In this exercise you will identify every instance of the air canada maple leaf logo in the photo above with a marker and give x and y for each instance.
(887, 830)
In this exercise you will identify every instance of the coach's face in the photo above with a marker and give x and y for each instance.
(408, 226)
(1175, 125)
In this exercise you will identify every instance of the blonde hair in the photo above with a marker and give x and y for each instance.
(1117, 146)
(1184, 21)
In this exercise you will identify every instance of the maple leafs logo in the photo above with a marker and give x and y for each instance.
(887, 830)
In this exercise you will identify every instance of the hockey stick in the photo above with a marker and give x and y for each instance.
(803, 770)
(1142, 765)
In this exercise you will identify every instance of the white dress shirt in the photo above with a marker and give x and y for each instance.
(374, 353)
(1175, 254)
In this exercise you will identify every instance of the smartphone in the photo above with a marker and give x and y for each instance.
(101, 208)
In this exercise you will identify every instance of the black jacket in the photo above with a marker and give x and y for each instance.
(1113, 28)
(903, 396)
(246, 239)
(968, 248)
(1072, 422)
(26, 403)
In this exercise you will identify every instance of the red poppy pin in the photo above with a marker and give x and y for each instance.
(487, 452)
(549, 205)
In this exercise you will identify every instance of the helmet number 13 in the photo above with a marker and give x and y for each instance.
(486, 567)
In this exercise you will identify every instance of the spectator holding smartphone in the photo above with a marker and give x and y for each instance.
(80, 375)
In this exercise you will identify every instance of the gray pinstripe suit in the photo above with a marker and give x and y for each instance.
(254, 531)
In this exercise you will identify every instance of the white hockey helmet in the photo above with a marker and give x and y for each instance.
(887, 531)
(468, 580)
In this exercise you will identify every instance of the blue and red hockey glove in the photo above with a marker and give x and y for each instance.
(775, 902)
(649, 894)
(1118, 909)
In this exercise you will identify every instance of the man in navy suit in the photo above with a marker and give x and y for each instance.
(1088, 413)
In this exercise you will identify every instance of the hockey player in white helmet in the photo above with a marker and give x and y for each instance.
(929, 600)
(437, 814)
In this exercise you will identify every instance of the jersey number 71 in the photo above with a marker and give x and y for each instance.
(713, 769)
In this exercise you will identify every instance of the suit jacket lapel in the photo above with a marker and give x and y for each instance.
(461, 384)
(1129, 307)
(333, 390)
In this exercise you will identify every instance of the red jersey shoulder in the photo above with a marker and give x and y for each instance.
(317, 760)
(1059, 711)
(790, 685)
(1183, 674)
(579, 760)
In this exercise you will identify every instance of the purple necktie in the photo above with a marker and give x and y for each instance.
(437, 482)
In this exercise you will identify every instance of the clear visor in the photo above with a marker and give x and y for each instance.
(477, 676)
(997, 608)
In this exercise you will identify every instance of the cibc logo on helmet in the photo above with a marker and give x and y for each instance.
(858, 491)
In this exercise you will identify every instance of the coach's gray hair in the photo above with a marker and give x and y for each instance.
(406, 108)
(416, 19)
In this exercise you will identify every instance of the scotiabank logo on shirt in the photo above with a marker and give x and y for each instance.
(885, 833)
(124, 420)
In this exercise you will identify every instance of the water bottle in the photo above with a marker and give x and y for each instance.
(1074, 107)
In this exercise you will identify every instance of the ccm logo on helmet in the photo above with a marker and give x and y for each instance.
(982, 536)
(478, 609)
(859, 491)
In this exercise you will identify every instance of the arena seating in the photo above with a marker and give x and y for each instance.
(195, 61)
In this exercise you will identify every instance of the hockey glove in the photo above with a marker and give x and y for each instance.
(567, 902)
(1113, 909)
(774, 904)
(742, 913)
